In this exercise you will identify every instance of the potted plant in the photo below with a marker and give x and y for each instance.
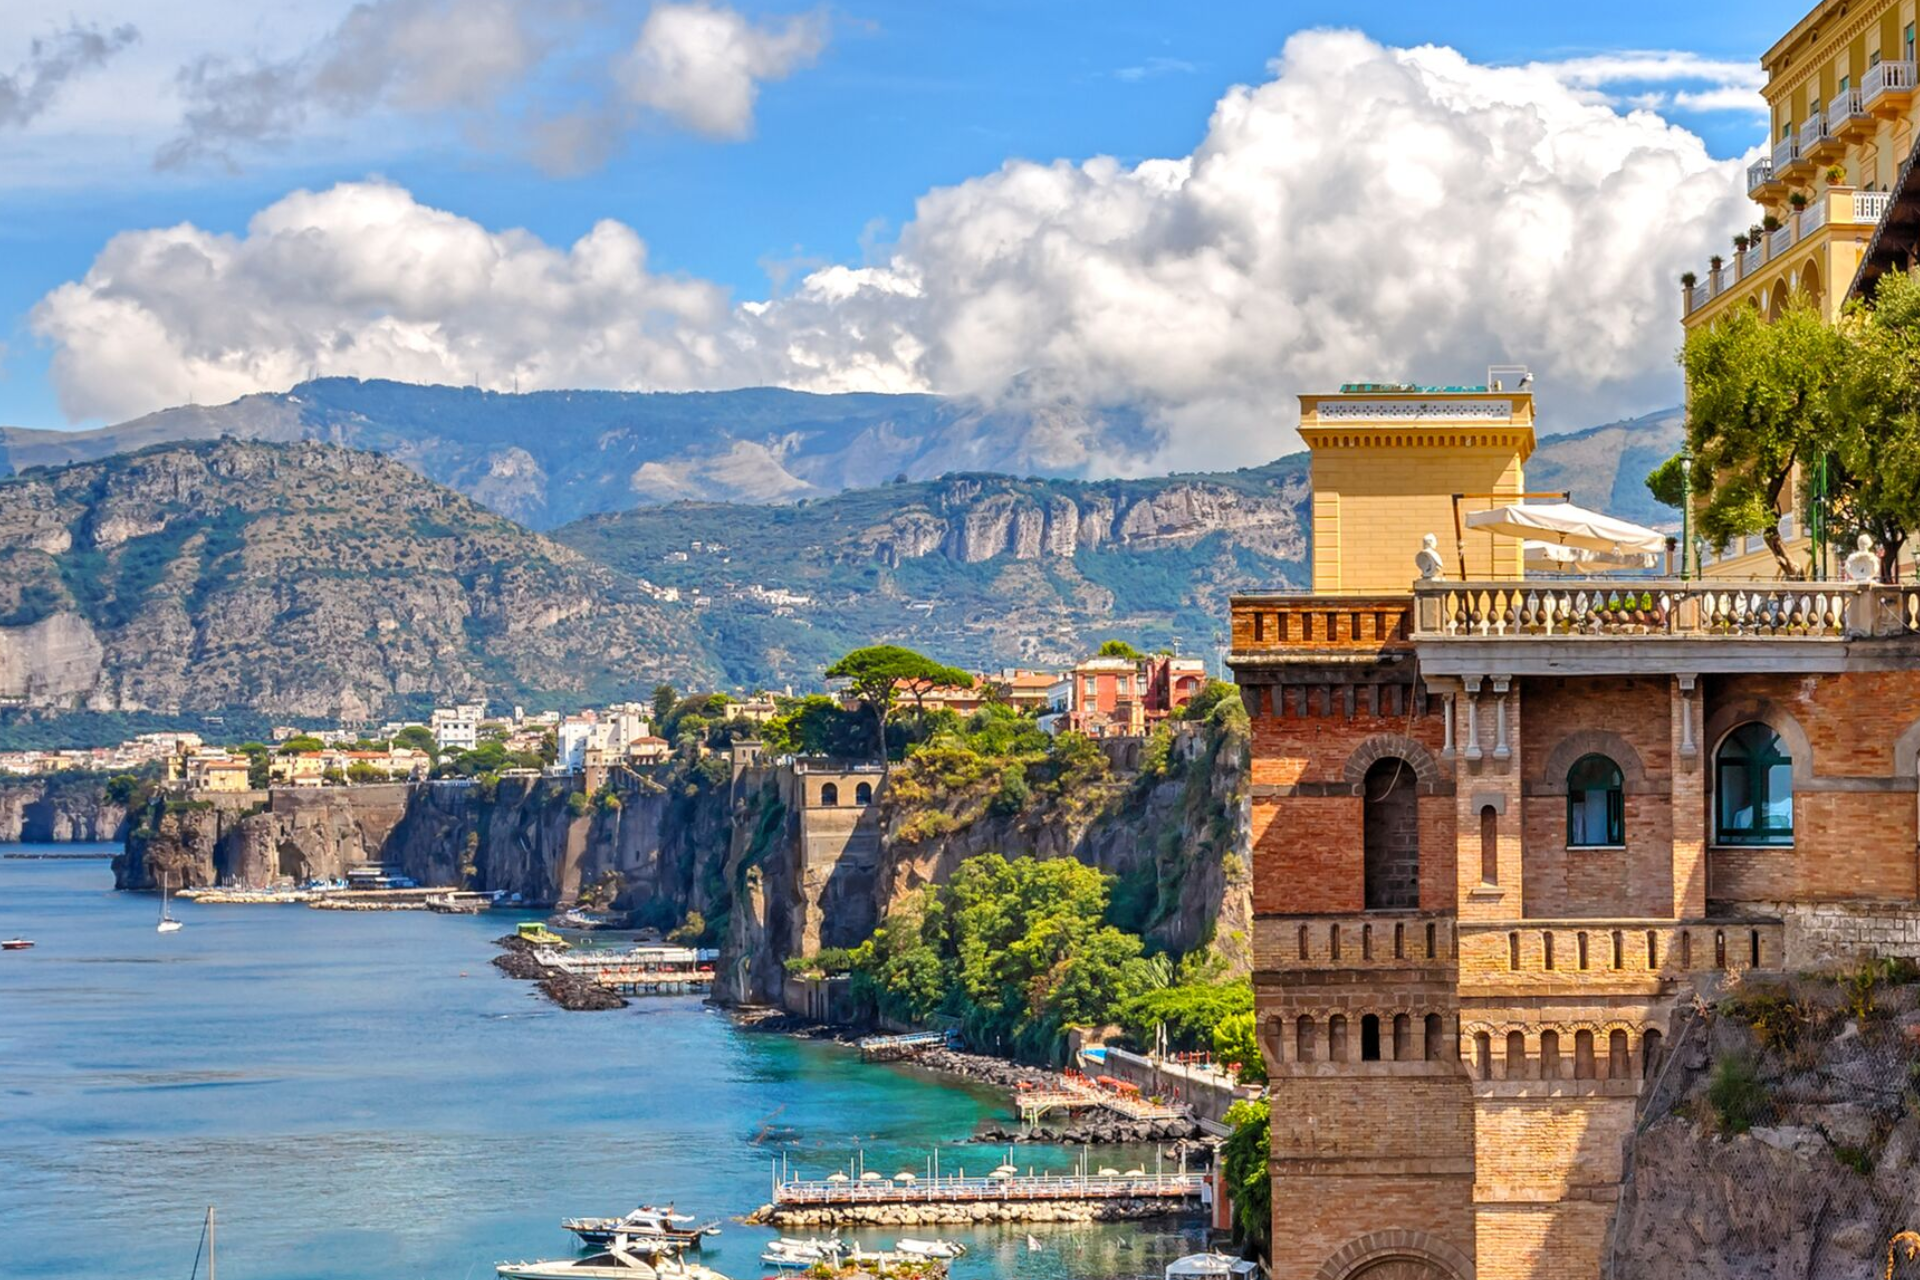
(1770, 224)
(1836, 175)
(1688, 280)
(1714, 263)
(1798, 200)
(1740, 243)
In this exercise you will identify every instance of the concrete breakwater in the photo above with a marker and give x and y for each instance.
(979, 1212)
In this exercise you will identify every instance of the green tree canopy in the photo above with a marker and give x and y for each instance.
(816, 725)
(301, 742)
(417, 737)
(1119, 649)
(1874, 477)
(1245, 1159)
(1234, 1042)
(878, 675)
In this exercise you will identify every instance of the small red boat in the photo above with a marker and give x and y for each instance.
(15, 944)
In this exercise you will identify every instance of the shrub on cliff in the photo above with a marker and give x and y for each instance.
(1244, 1160)
(1235, 1044)
(1190, 1012)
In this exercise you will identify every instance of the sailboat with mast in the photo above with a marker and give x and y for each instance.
(206, 1248)
(167, 923)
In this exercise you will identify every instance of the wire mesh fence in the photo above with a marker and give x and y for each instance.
(1782, 1138)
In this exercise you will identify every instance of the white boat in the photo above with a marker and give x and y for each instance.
(16, 944)
(930, 1248)
(645, 1224)
(167, 923)
(623, 1260)
(797, 1255)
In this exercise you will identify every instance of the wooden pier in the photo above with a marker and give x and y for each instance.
(643, 971)
(1173, 1187)
(1072, 1094)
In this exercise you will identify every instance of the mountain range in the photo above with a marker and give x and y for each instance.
(358, 549)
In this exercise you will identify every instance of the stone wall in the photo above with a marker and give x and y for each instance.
(1819, 934)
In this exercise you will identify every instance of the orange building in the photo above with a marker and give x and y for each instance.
(1502, 829)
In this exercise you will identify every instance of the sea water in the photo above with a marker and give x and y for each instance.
(362, 1096)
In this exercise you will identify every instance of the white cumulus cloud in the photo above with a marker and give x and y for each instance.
(1365, 213)
(702, 64)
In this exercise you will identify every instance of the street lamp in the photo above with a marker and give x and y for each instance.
(1686, 514)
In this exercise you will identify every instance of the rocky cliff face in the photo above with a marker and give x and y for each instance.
(301, 581)
(662, 839)
(58, 810)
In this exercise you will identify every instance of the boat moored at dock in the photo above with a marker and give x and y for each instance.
(624, 1259)
(645, 1224)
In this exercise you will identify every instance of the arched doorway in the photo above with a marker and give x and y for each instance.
(1390, 837)
(1401, 1269)
(1810, 282)
(1777, 303)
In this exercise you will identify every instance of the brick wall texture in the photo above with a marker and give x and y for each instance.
(1511, 1170)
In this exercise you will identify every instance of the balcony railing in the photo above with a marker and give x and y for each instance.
(1885, 78)
(1809, 219)
(1785, 153)
(1781, 240)
(1759, 173)
(1662, 608)
(1846, 106)
(1834, 207)
(1813, 132)
(1870, 206)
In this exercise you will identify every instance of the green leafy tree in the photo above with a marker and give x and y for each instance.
(417, 737)
(664, 698)
(1234, 1042)
(259, 768)
(1119, 649)
(301, 742)
(1190, 1012)
(1874, 481)
(877, 676)
(360, 773)
(815, 726)
(1761, 402)
(1245, 1160)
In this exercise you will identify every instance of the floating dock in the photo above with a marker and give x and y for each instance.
(894, 1048)
(1072, 1094)
(641, 971)
(1034, 1198)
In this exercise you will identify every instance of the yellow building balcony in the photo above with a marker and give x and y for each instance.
(1886, 90)
(1762, 185)
(1788, 164)
(1819, 144)
(1848, 118)
(1837, 208)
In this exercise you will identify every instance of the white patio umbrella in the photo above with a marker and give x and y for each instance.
(1552, 557)
(1566, 525)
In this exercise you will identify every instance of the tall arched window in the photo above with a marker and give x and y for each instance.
(1596, 804)
(1390, 836)
(863, 793)
(829, 794)
(1753, 788)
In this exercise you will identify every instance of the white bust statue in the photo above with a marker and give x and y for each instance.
(1863, 565)
(1427, 560)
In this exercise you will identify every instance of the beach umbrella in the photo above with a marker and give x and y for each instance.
(838, 1177)
(1109, 1173)
(904, 1176)
(1552, 557)
(1136, 1173)
(871, 1177)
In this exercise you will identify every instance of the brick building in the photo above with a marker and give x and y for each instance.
(1125, 697)
(1502, 828)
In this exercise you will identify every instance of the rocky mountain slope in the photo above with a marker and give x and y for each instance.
(301, 581)
(985, 570)
(545, 458)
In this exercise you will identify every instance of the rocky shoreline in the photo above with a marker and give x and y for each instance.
(980, 1068)
(570, 991)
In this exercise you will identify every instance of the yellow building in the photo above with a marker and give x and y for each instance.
(1388, 460)
(1840, 92)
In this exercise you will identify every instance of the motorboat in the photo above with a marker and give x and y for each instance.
(624, 1259)
(645, 1223)
(929, 1248)
(15, 944)
(797, 1255)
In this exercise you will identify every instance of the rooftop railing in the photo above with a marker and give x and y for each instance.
(1663, 608)
(1884, 78)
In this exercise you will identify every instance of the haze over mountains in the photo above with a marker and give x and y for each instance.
(301, 575)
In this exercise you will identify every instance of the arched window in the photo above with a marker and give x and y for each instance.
(1596, 804)
(1649, 1054)
(1402, 1037)
(1303, 1038)
(1370, 1037)
(1619, 1060)
(1753, 788)
(1483, 1054)
(829, 794)
(1516, 1056)
(1435, 1029)
(863, 793)
(1390, 836)
(1549, 1055)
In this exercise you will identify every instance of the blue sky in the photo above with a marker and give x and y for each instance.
(901, 98)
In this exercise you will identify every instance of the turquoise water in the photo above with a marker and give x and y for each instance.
(363, 1095)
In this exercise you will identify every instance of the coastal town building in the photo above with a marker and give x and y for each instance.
(1502, 828)
(1841, 107)
(457, 728)
(1107, 697)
